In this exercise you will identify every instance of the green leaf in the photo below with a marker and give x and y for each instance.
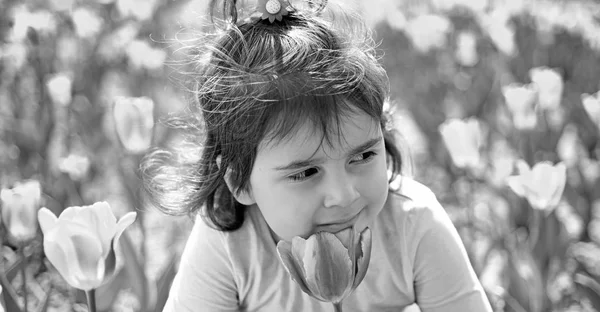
(15, 267)
(43, 307)
(163, 285)
(10, 296)
(107, 293)
(526, 285)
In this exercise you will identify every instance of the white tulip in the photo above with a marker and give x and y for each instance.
(542, 185)
(19, 210)
(466, 49)
(81, 242)
(87, 23)
(521, 102)
(75, 166)
(550, 87)
(134, 121)
(428, 31)
(60, 88)
(463, 139)
(591, 104)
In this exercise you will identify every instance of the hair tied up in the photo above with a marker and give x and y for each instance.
(309, 7)
(264, 9)
(316, 6)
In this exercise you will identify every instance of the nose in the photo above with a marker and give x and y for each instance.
(339, 191)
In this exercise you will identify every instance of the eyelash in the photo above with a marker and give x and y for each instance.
(301, 176)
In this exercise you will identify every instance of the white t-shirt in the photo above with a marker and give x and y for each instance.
(417, 257)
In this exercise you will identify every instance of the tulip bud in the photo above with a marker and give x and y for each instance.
(501, 33)
(428, 31)
(81, 243)
(87, 23)
(142, 55)
(19, 209)
(466, 49)
(134, 122)
(591, 104)
(569, 147)
(550, 85)
(542, 185)
(521, 101)
(59, 88)
(75, 166)
(327, 266)
(463, 138)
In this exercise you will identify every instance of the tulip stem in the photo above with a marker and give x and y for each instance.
(534, 231)
(91, 299)
(337, 307)
(24, 276)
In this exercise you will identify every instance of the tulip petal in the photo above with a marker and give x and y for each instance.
(344, 236)
(97, 217)
(560, 177)
(76, 252)
(363, 261)
(523, 167)
(46, 219)
(110, 262)
(328, 267)
(293, 267)
(111, 258)
(123, 223)
(516, 185)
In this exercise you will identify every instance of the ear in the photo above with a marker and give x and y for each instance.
(243, 197)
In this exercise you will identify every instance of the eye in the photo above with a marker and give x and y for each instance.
(303, 175)
(363, 157)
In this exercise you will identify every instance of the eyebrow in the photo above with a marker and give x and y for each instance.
(311, 161)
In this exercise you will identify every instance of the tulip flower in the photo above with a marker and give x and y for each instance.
(59, 88)
(466, 49)
(591, 104)
(19, 208)
(428, 31)
(569, 147)
(86, 22)
(328, 266)
(521, 102)
(134, 122)
(463, 138)
(500, 32)
(81, 242)
(142, 55)
(75, 166)
(542, 185)
(550, 86)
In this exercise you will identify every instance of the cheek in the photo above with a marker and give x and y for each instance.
(286, 210)
(375, 188)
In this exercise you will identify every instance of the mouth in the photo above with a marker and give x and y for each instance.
(337, 226)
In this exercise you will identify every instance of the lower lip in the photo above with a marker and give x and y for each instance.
(336, 227)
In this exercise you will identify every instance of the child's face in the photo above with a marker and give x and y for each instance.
(300, 191)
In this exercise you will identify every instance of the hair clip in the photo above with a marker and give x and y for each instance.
(274, 9)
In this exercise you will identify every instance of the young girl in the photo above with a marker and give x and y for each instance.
(293, 139)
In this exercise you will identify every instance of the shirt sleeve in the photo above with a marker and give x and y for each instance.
(205, 279)
(444, 279)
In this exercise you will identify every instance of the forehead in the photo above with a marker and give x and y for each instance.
(309, 139)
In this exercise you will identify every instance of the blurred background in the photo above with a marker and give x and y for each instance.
(497, 102)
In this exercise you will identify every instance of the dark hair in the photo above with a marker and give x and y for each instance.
(261, 81)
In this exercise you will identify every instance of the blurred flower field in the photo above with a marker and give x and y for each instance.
(496, 101)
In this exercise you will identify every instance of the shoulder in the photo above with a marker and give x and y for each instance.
(411, 199)
(415, 210)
